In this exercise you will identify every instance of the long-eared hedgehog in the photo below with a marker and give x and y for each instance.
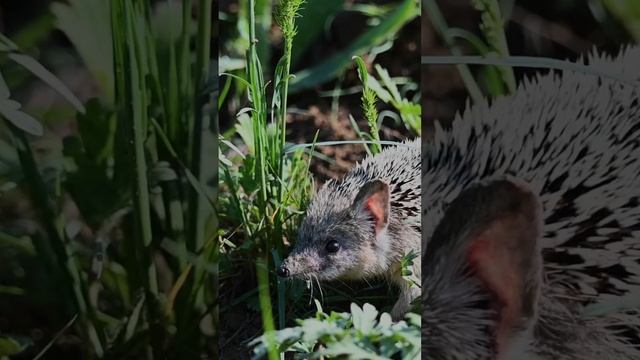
(360, 226)
(531, 221)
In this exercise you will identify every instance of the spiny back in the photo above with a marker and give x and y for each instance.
(398, 166)
(573, 137)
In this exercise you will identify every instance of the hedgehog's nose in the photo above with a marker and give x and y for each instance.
(282, 271)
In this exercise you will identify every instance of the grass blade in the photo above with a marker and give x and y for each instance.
(440, 25)
(528, 62)
(55, 338)
(23, 121)
(45, 75)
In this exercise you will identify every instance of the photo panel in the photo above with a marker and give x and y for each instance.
(530, 180)
(319, 179)
(108, 177)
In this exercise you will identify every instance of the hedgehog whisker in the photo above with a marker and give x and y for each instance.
(346, 285)
(367, 282)
(320, 289)
(310, 285)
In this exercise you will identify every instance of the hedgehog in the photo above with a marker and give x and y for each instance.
(361, 226)
(531, 221)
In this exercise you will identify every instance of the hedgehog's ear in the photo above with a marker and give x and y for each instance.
(504, 253)
(502, 222)
(373, 198)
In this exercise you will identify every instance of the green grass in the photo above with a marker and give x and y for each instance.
(495, 80)
(497, 75)
(268, 186)
(141, 164)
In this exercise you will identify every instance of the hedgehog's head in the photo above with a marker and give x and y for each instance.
(342, 237)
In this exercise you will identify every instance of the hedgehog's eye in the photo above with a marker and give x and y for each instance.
(332, 246)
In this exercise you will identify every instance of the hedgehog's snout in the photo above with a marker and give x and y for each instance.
(291, 266)
(299, 264)
(283, 271)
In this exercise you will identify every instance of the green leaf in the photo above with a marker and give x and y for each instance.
(10, 346)
(363, 74)
(385, 321)
(388, 83)
(351, 350)
(232, 147)
(329, 69)
(354, 335)
(89, 30)
(45, 75)
(10, 109)
(244, 128)
(475, 41)
(364, 319)
(318, 306)
(6, 44)
(227, 64)
(132, 322)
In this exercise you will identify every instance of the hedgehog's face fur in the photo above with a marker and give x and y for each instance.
(342, 238)
(336, 251)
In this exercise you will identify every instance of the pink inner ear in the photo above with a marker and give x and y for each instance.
(376, 205)
(493, 261)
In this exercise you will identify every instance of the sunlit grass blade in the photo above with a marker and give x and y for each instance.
(130, 54)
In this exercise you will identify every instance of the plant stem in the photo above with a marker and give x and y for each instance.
(258, 99)
(440, 24)
(63, 266)
(201, 224)
(131, 66)
(264, 295)
(493, 28)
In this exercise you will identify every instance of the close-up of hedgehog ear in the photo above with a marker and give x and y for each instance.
(487, 240)
(530, 187)
(373, 199)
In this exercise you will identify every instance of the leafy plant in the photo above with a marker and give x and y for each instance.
(498, 80)
(492, 26)
(369, 99)
(406, 266)
(363, 333)
(387, 89)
